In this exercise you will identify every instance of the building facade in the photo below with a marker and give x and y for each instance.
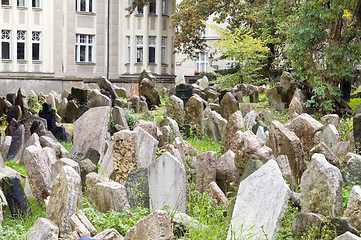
(73, 39)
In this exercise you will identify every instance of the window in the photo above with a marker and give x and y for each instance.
(202, 61)
(139, 43)
(164, 52)
(36, 3)
(128, 49)
(139, 10)
(152, 41)
(36, 46)
(21, 3)
(21, 37)
(5, 44)
(5, 2)
(129, 3)
(84, 48)
(152, 7)
(164, 7)
(84, 5)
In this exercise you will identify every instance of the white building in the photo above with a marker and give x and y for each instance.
(85, 39)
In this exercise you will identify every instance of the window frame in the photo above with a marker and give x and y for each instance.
(164, 50)
(202, 62)
(152, 43)
(164, 8)
(139, 49)
(139, 11)
(152, 7)
(88, 45)
(6, 40)
(128, 42)
(6, 5)
(88, 6)
(21, 1)
(36, 41)
(35, 4)
(21, 40)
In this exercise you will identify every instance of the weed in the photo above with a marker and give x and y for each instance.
(285, 231)
(67, 145)
(14, 164)
(354, 103)
(131, 118)
(345, 194)
(204, 144)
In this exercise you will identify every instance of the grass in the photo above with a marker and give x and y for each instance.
(354, 103)
(204, 144)
(15, 229)
(14, 164)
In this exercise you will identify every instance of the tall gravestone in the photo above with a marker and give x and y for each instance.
(137, 187)
(184, 92)
(167, 184)
(147, 146)
(17, 143)
(49, 115)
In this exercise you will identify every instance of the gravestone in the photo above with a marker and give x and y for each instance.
(43, 229)
(15, 196)
(330, 135)
(206, 169)
(252, 165)
(147, 146)
(21, 101)
(234, 124)
(62, 206)
(353, 207)
(229, 105)
(148, 90)
(93, 155)
(119, 117)
(4, 105)
(14, 113)
(261, 202)
(184, 92)
(226, 171)
(214, 126)
(17, 143)
(107, 87)
(351, 174)
(71, 111)
(175, 109)
(194, 112)
(80, 94)
(100, 101)
(11, 98)
(137, 187)
(49, 115)
(167, 184)
(321, 188)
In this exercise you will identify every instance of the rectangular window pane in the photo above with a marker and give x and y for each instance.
(151, 54)
(164, 7)
(21, 3)
(82, 5)
(90, 5)
(5, 2)
(5, 50)
(139, 54)
(82, 53)
(36, 51)
(90, 54)
(21, 51)
(152, 7)
(36, 3)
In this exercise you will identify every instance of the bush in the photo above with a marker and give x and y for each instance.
(354, 103)
(131, 118)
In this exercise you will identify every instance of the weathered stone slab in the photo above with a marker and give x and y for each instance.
(43, 229)
(216, 193)
(194, 111)
(38, 172)
(137, 187)
(147, 146)
(229, 105)
(353, 207)
(261, 203)
(62, 206)
(326, 151)
(227, 171)
(351, 174)
(106, 167)
(109, 234)
(250, 120)
(252, 165)
(285, 142)
(348, 236)
(5, 146)
(100, 101)
(125, 154)
(91, 130)
(330, 135)
(215, 126)
(333, 119)
(17, 143)
(206, 169)
(119, 117)
(81, 224)
(50, 142)
(303, 222)
(167, 183)
(156, 226)
(248, 143)
(321, 188)
(58, 165)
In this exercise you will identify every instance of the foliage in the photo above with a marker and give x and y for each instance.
(131, 118)
(346, 127)
(35, 103)
(3, 121)
(14, 164)
(285, 231)
(345, 194)
(67, 145)
(354, 103)
(323, 46)
(121, 221)
(249, 52)
(14, 229)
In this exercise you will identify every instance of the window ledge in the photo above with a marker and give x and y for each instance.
(38, 9)
(6, 6)
(127, 64)
(6, 60)
(86, 13)
(22, 61)
(22, 8)
(37, 61)
(152, 63)
(138, 63)
(153, 15)
(165, 15)
(85, 63)
(139, 15)
(164, 65)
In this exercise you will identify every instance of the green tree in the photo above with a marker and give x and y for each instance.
(324, 47)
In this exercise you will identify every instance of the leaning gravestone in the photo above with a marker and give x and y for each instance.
(125, 154)
(234, 124)
(147, 146)
(229, 105)
(175, 109)
(321, 188)
(137, 187)
(194, 111)
(261, 203)
(119, 117)
(15, 196)
(62, 206)
(351, 174)
(353, 207)
(214, 126)
(206, 169)
(91, 130)
(49, 115)
(38, 172)
(226, 171)
(167, 184)
(17, 143)
(43, 229)
(14, 113)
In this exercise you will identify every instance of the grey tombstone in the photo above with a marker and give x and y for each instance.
(206, 169)
(325, 180)
(184, 92)
(351, 174)
(330, 135)
(100, 101)
(167, 184)
(43, 229)
(226, 171)
(175, 109)
(214, 126)
(119, 117)
(137, 187)
(261, 202)
(147, 146)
